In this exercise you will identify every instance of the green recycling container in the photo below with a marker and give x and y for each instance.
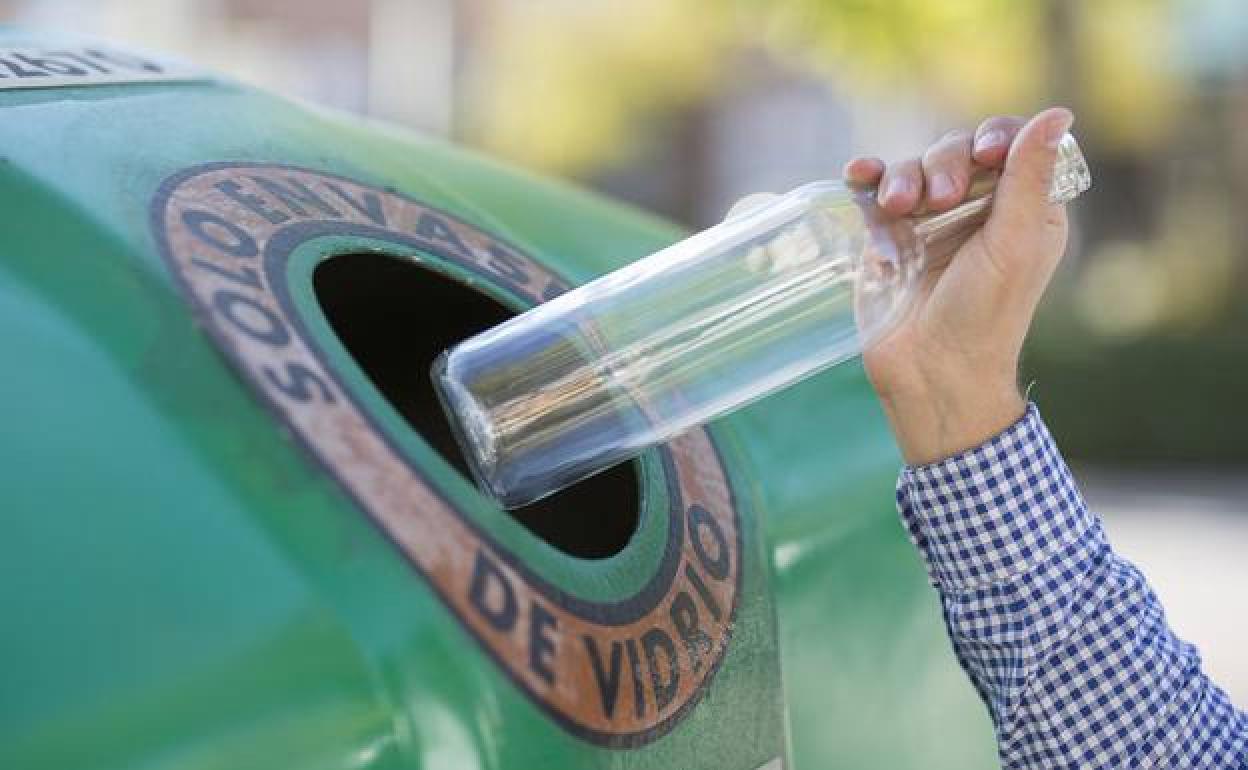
(235, 531)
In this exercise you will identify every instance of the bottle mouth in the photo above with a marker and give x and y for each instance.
(1071, 176)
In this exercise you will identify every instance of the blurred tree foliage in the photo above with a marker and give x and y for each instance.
(570, 85)
(573, 84)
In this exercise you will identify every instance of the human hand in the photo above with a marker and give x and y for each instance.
(947, 373)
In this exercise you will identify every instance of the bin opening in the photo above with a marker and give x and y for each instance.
(394, 317)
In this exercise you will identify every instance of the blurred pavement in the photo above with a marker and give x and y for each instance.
(1188, 532)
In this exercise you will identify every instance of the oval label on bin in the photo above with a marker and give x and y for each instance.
(618, 673)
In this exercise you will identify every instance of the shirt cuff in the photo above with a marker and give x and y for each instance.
(993, 512)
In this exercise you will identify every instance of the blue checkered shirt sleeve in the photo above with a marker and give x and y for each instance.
(1064, 641)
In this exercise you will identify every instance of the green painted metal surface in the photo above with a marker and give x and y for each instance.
(185, 583)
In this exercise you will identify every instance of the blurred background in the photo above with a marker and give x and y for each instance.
(1140, 360)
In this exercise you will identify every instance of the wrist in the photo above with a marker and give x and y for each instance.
(932, 424)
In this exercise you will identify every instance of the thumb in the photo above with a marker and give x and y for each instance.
(1022, 212)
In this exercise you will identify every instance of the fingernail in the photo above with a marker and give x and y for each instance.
(989, 140)
(1059, 124)
(898, 186)
(942, 186)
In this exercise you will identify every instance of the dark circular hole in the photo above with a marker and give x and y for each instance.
(394, 317)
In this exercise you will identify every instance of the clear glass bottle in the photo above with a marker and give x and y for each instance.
(777, 292)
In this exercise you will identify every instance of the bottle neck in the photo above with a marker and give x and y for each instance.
(941, 234)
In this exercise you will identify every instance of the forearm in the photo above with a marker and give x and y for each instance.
(1065, 641)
